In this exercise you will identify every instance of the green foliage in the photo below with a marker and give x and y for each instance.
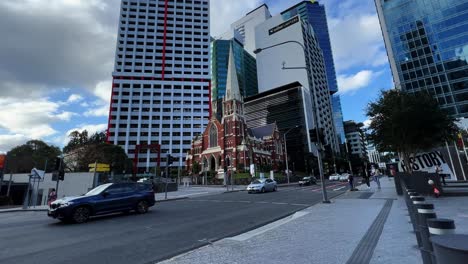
(196, 168)
(33, 154)
(83, 150)
(407, 123)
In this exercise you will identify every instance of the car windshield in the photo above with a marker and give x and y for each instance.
(98, 189)
(306, 178)
(257, 182)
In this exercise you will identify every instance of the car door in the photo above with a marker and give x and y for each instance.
(113, 199)
(268, 185)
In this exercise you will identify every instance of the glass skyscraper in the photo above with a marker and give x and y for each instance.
(315, 14)
(427, 45)
(245, 65)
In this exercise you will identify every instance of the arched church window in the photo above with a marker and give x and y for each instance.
(213, 136)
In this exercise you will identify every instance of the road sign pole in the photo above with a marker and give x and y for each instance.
(9, 184)
(95, 175)
(58, 178)
(167, 171)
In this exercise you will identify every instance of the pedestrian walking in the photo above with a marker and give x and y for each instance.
(438, 170)
(351, 182)
(366, 180)
(376, 177)
(52, 197)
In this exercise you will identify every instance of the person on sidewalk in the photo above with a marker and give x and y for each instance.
(52, 197)
(438, 170)
(351, 182)
(376, 177)
(366, 180)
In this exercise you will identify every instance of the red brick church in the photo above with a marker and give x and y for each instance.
(229, 144)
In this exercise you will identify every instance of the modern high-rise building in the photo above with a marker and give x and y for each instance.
(315, 14)
(356, 139)
(161, 78)
(245, 27)
(246, 71)
(427, 45)
(308, 66)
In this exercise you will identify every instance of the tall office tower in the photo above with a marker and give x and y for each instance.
(316, 15)
(245, 27)
(246, 71)
(356, 138)
(427, 44)
(161, 78)
(308, 64)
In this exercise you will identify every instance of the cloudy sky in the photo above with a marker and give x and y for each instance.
(57, 60)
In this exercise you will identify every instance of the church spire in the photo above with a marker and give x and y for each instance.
(232, 84)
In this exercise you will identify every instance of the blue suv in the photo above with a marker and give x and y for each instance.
(104, 199)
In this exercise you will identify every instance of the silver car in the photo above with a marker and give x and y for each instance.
(262, 185)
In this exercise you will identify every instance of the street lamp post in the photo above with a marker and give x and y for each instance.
(314, 112)
(286, 150)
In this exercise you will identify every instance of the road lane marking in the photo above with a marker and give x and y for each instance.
(337, 189)
(278, 203)
(300, 204)
(270, 226)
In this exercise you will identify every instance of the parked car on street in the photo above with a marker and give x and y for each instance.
(104, 199)
(308, 181)
(344, 177)
(334, 177)
(262, 185)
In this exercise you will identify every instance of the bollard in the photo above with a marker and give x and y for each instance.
(440, 226)
(425, 211)
(414, 216)
(452, 249)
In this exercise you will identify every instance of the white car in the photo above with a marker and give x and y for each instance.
(262, 185)
(334, 177)
(344, 177)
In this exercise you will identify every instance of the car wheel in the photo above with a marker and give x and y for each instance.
(81, 214)
(263, 189)
(142, 207)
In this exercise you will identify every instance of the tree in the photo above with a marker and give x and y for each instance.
(33, 154)
(408, 123)
(83, 150)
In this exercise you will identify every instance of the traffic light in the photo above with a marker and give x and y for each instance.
(58, 161)
(170, 159)
(313, 135)
(61, 174)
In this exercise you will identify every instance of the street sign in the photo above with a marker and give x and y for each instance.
(99, 167)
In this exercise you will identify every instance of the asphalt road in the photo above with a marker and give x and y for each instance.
(170, 228)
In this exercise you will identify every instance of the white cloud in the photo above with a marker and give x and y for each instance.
(224, 12)
(367, 123)
(357, 41)
(91, 128)
(103, 90)
(8, 142)
(102, 110)
(352, 83)
(31, 118)
(74, 98)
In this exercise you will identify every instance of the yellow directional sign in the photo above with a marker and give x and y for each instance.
(99, 167)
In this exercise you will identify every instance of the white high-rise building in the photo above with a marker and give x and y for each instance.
(308, 67)
(244, 28)
(161, 79)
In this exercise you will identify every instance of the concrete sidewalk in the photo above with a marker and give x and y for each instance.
(358, 227)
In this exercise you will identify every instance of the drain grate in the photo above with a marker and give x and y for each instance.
(365, 249)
